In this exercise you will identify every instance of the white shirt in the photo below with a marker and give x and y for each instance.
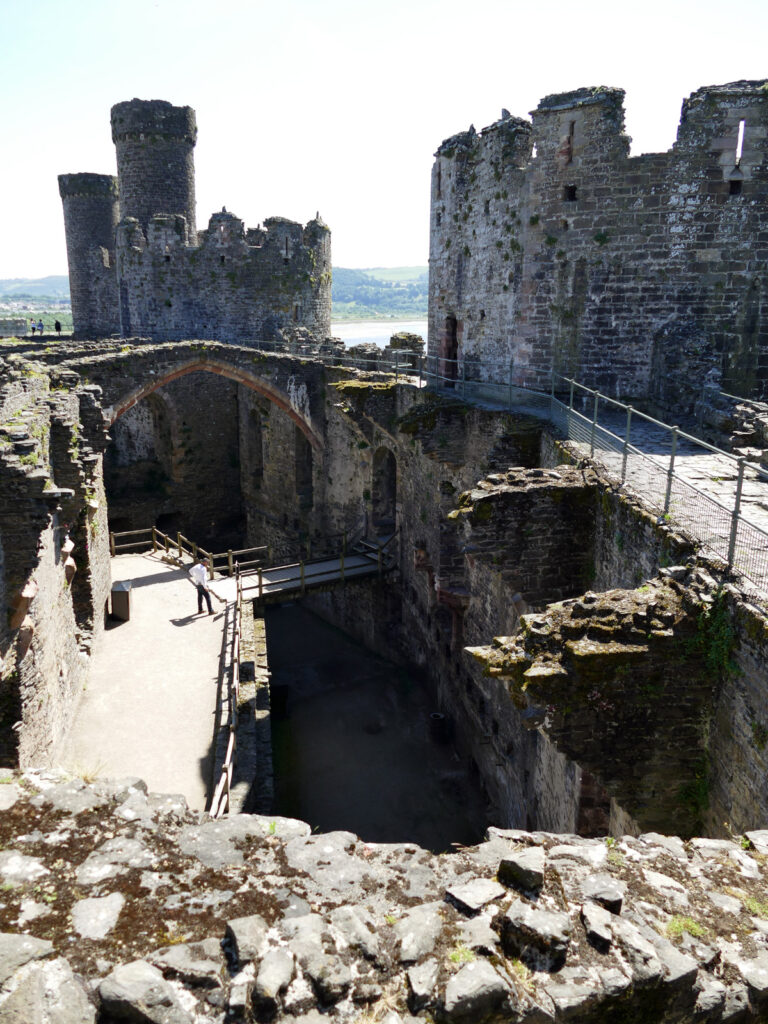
(199, 575)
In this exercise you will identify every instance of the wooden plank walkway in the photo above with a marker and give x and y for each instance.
(285, 582)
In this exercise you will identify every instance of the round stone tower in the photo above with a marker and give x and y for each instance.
(155, 165)
(90, 217)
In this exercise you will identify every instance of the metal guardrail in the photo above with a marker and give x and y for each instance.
(219, 802)
(720, 527)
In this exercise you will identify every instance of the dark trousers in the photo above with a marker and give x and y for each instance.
(203, 593)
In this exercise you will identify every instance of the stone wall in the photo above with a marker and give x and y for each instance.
(174, 463)
(235, 285)
(99, 921)
(480, 549)
(55, 563)
(91, 213)
(553, 250)
(155, 276)
(155, 142)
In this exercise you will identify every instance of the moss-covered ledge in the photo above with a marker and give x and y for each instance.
(624, 684)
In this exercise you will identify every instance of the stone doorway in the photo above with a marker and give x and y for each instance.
(384, 491)
(450, 352)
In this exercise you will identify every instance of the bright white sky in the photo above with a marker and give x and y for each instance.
(330, 105)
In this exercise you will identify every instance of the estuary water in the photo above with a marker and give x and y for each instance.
(353, 743)
(377, 331)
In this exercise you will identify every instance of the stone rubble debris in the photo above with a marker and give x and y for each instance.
(173, 919)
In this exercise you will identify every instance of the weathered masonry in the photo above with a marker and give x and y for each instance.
(598, 675)
(138, 266)
(551, 249)
(622, 693)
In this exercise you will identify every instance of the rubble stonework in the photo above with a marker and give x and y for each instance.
(551, 249)
(118, 904)
(138, 266)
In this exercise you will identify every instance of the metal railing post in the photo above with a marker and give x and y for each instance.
(625, 453)
(154, 539)
(594, 426)
(261, 584)
(735, 513)
(570, 403)
(671, 470)
(421, 366)
(112, 544)
(511, 374)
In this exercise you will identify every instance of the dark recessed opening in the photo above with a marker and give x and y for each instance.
(482, 314)
(438, 218)
(564, 225)
(734, 187)
(167, 258)
(223, 259)
(487, 207)
(569, 193)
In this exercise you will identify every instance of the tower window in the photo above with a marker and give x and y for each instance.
(734, 187)
(569, 193)
(740, 142)
(438, 219)
(571, 132)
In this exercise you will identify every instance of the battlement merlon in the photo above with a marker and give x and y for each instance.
(729, 121)
(86, 184)
(140, 120)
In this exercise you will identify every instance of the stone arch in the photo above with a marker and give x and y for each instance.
(223, 369)
(384, 490)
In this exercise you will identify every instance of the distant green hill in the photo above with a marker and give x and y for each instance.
(368, 294)
(55, 286)
(379, 293)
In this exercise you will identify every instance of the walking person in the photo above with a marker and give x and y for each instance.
(40, 327)
(33, 325)
(199, 576)
(57, 327)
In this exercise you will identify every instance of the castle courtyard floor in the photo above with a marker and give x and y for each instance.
(149, 708)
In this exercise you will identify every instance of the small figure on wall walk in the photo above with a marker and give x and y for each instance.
(199, 576)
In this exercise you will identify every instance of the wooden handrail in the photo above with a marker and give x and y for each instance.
(222, 794)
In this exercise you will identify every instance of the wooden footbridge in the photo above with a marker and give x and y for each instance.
(267, 585)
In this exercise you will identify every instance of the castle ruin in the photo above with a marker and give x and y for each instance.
(553, 250)
(603, 675)
(138, 266)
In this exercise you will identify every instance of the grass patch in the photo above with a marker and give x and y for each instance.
(755, 907)
(461, 954)
(679, 926)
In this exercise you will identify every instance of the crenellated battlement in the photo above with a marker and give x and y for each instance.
(553, 249)
(138, 265)
(142, 120)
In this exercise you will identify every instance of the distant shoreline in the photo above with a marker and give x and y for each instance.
(377, 319)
